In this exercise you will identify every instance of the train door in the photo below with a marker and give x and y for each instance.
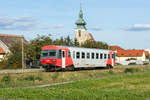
(63, 59)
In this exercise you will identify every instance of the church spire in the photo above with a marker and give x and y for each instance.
(80, 22)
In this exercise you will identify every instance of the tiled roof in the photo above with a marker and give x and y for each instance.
(115, 48)
(130, 53)
(146, 53)
(8, 40)
(2, 51)
(8, 35)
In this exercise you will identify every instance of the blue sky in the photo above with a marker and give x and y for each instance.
(118, 22)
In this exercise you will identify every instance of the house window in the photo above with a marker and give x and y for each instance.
(88, 55)
(78, 55)
(79, 31)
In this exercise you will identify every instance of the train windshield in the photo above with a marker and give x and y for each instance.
(51, 53)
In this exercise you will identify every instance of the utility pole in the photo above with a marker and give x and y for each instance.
(22, 40)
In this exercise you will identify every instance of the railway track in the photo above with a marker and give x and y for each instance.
(19, 71)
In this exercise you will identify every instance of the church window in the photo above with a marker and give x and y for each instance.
(79, 33)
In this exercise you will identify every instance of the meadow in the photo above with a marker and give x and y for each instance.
(121, 83)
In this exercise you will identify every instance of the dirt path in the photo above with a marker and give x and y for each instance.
(49, 85)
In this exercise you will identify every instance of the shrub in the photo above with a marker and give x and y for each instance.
(110, 72)
(145, 63)
(6, 78)
(33, 78)
(131, 70)
(132, 63)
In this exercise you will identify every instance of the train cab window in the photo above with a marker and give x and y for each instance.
(93, 55)
(45, 53)
(52, 53)
(74, 54)
(101, 56)
(97, 55)
(69, 54)
(105, 56)
(78, 55)
(83, 55)
(88, 56)
(108, 56)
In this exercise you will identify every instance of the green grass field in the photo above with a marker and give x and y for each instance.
(132, 83)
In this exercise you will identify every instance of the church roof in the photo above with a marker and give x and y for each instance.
(80, 22)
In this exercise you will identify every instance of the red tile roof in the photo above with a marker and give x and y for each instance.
(146, 53)
(130, 53)
(115, 48)
(2, 51)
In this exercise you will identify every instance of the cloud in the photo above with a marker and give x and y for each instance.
(95, 28)
(22, 23)
(58, 26)
(138, 27)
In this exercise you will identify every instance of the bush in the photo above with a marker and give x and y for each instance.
(33, 78)
(6, 78)
(131, 70)
(110, 72)
(132, 63)
(145, 63)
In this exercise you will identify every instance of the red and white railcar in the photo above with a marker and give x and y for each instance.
(64, 57)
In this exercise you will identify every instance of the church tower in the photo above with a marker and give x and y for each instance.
(81, 34)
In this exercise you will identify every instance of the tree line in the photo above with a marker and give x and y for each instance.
(32, 49)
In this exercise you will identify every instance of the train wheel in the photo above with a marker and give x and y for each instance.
(70, 68)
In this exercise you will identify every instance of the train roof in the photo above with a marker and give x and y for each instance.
(74, 48)
(81, 48)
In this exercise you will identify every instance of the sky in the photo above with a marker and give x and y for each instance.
(125, 23)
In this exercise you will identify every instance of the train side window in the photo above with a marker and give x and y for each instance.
(74, 54)
(88, 56)
(108, 56)
(78, 55)
(69, 54)
(105, 56)
(63, 54)
(93, 55)
(83, 55)
(97, 55)
(59, 54)
(113, 56)
(101, 56)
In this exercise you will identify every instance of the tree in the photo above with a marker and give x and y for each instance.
(93, 44)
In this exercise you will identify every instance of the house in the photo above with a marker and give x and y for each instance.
(125, 55)
(6, 41)
(2, 53)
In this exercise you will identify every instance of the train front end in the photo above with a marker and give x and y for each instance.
(50, 58)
